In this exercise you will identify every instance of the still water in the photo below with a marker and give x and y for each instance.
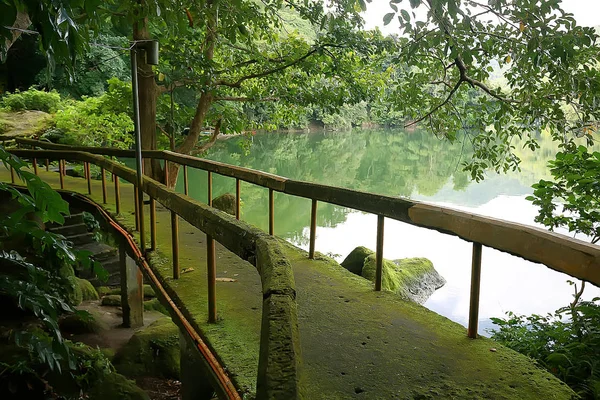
(408, 164)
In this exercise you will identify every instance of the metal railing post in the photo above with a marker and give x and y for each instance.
(209, 188)
(313, 229)
(166, 173)
(102, 172)
(185, 180)
(475, 286)
(237, 199)
(152, 224)
(175, 243)
(271, 213)
(379, 254)
(61, 174)
(12, 175)
(88, 177)
(47, 165)
(211, 267)
(117, 193)
(137, 213)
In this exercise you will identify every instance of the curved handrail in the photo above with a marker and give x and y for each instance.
(574, 257)
(279, 359)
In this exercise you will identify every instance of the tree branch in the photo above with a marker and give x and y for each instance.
(245, 99)
(239, 82)
(434, 109)
(211, 140)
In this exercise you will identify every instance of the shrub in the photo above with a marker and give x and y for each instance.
(32, 99)
(566, 343)
(98, 121)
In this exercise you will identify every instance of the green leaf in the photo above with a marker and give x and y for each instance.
(387, 18)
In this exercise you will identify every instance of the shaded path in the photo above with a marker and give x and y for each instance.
(356, 343)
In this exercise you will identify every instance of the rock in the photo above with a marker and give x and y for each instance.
(151, 351)
(154, 305)
(412, 278)
(114, 386)
(88, 291)
(82, 322)
(112, 300)
(356, 259)
(73, 291)
(149, 292)
(225, 202)
(104, 290)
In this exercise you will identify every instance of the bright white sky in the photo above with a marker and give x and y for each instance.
(586, 12)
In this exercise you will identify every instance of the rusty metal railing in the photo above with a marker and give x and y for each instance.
(278, 364)
(561, 253)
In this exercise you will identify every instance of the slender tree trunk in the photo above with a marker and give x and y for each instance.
(206, 100)
(148, 92)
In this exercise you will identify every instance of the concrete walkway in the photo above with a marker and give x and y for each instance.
(356, 343)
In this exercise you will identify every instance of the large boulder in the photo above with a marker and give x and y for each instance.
(355, 261)
(412, 278)
(225, 203)
(88, 291)
(151, 351)
(82, 322)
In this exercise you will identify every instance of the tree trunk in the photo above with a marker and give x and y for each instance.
(148, 92)
(206, 100)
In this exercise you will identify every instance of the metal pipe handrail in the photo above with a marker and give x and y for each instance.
(574, 257)
(246, 242)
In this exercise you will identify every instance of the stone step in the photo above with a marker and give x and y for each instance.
(73, 219)
(83, 238)
(99, 250)
(69, 230)
(112, 265)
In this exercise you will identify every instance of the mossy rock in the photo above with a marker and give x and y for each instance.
(225, 203)
(104, 290)
(115, 386)
(355, 261)
(155, 305)
(149, 292)
(73, 291)
(114, 291)
(82, 322)
(412, 278)
(112, 300)
(88, 291)
(151, 351)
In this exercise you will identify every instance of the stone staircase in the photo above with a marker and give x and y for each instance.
(75, 231)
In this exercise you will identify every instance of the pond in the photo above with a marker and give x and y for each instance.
(409, 164)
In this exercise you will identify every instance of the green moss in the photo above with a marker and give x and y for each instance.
(154, 305)
(225, 203)
(356, 259)
(396, 277)
(116, 387)
(104, 290)
(151, 351)
(88, 291)
(111, 300)
(73, 290)
(149, 292)
(82, 322)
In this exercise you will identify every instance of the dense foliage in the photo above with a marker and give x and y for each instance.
(37, 285)
(31, 99)
(567, 342)
(102, 121)
(572, 199)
